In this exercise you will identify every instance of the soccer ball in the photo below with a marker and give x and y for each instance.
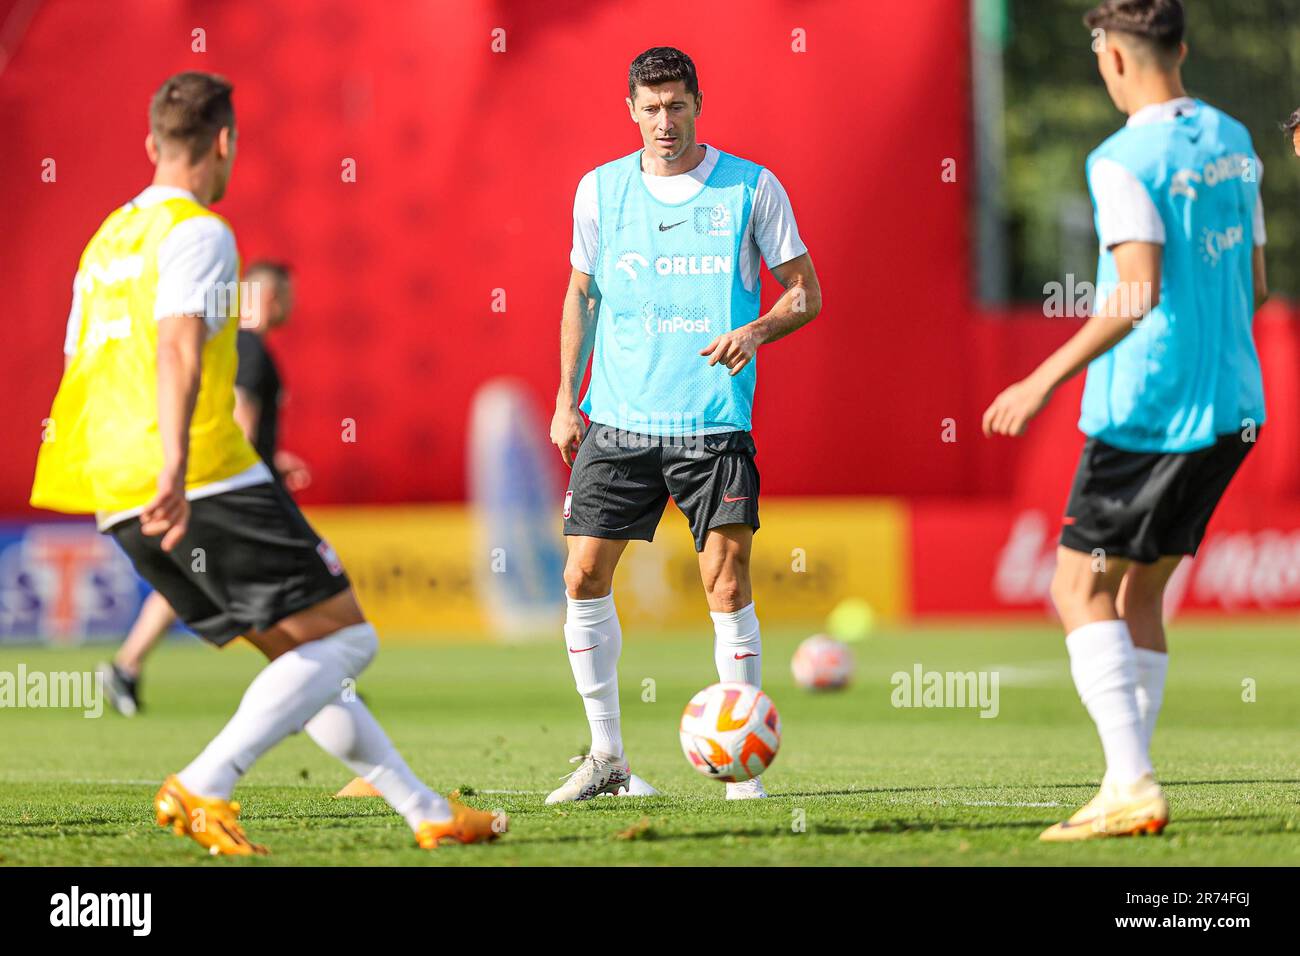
(822, 663)
(730, 731)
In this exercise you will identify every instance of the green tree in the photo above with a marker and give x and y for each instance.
(1243, 58)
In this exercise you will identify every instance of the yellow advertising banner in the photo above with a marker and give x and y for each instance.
(426, 572)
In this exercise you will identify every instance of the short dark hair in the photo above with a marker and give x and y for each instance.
(279, 271)
(190, 109)
(1292, 123)
(662, 64)
(1158, 24)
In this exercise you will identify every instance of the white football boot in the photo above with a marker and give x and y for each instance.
(751, 789)
(594, 776)
(636, 787)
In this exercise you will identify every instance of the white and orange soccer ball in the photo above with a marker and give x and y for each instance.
(822, 663)
(730, 731)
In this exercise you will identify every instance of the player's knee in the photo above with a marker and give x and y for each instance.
(360, 644)
(1069, 593)
(1138, 599)
(727, 593)
(584, 580)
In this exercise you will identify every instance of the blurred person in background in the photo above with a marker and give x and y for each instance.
(258, 389)
(1292, 128)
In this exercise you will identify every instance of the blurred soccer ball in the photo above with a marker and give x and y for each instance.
(822, 663)
(730, 731)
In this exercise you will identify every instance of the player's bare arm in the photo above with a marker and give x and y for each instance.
(798, 306)
(180, 350)
(1136, 294)
(577, 336)
(293, 469)
(247, 411)
(1261, 276)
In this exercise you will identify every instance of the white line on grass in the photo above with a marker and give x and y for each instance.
(538, 793)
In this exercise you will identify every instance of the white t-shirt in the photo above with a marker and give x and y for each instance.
(771, 233)
(198, 255)
(1125, 212)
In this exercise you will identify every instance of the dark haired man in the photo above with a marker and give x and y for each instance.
(258, 385)
(1173, 400)
(664, 299)
(142, 433)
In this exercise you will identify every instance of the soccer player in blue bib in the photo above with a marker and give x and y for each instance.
(1173, 400)
(664, 300)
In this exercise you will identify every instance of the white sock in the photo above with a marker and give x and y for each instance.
(346, 729)
(1152, 666)
(287, 693)
(1104, 668)
(594, 642)
(738, 646)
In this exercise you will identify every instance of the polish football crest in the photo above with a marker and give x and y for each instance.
(331, 559)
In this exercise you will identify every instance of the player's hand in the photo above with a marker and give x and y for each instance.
(1012, 410)
(168, 514)
(734, 349)
(567, 429)
(293, 470)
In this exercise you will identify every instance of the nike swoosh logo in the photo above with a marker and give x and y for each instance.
(1089, 822)
(741, 498)
(581, 650)
(663, 228)
(741, 657)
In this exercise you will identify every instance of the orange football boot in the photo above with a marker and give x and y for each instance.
(211, 822)
(1132, 810)
(466, 825)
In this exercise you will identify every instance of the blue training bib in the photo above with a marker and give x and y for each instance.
(669, 279)
(1189, 372)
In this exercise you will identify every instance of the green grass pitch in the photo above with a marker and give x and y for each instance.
(857, 781)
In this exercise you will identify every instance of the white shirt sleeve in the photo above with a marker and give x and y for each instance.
(1261, 237)
(198, 272)
(1125, 212)
(775, 232)
(73, 335)
(586, 226)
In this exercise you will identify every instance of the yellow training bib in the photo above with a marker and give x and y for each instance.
(100, 449)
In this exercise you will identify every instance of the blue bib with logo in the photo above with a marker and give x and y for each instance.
(1189, 371)
(670, 283)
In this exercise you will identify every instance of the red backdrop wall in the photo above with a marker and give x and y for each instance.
(467, 161)
(466, 165)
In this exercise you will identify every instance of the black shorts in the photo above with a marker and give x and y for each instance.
(1146, 505)
(248, 560)
(621, 481)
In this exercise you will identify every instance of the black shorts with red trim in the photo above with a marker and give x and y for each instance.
(1147, 505)
(248, 560)
(621, 482)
